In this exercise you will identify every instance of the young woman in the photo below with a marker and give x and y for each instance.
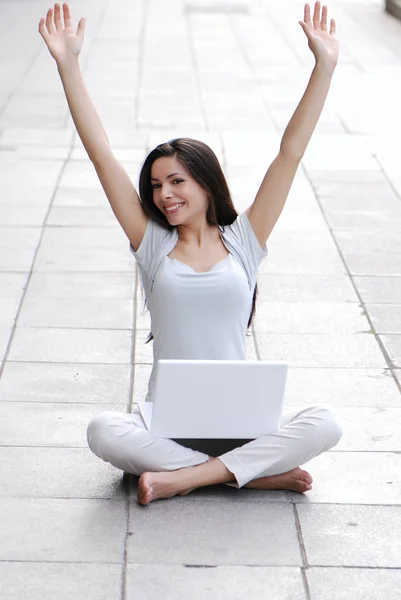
(194, 252)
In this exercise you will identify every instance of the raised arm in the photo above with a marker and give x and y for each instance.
(273, 192)
(65, 45)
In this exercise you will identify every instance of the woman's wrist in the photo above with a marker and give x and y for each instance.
(68, 65)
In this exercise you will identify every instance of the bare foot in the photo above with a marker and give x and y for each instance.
(153, 486)
(297, 480)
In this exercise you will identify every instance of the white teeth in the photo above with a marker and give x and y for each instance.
(170, 208)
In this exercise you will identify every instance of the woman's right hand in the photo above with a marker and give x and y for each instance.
(63, 42)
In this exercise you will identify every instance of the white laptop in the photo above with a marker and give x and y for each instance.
(216, 399)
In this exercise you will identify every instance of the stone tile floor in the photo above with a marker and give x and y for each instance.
(230, 72)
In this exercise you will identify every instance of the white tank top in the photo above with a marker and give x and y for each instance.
(199, 315)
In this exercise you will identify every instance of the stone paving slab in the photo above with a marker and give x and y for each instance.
(341, 387)
(379, 289)
(46, 581)
(49, 472)
(64, 530)
(76, 313)
(321, 350)
(5, 333)
(349, 535)
(310, 317)
(51, 424)
(392, 344)
(180, 583)
(356, 478)
(386, 318)
(61, 382)
(231, 534)
(366, 584)
(61, 216)
(325, 287)
(106, 346)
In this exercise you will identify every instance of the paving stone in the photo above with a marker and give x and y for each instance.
(38, 172)
(371, 263)
(344, 535)
(379, 289)
(76, 312)
(225, 583)
(8, 311)
(338, 153)
(20, 194)
(386, 318)
(392, 344)
(341, 387)
(305, 288)
(46, 581)
(321, 350)
(82, 217)
(345, 175)
(67, 383)
(305, 261)
(62, 530)
(365, 221)
(376, 241)
(49, 424)
(22, 215)
(80, 197)
(94, 286)
(71, 345)
(5, 333)
(97, 249)
(353, 478)
(263, 534)
(366, 584)
(374, 429)
(36, 137)
(58, 473)
(310, 317)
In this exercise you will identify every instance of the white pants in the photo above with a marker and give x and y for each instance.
(123, 440)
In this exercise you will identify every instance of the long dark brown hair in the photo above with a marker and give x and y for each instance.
(203, 165)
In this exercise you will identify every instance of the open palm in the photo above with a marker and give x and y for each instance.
(62, 41)
(321, 40)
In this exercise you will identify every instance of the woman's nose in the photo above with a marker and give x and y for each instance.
(166, 192)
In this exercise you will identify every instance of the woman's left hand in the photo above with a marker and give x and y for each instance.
(322, 41)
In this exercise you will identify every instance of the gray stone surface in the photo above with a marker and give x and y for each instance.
(35, 424)
(341, 387)
(231, 534)
(49, 472)
(65, 530)
(71, 345)
(351, 535)
(306, 288)
(353, 478)
(52, 382)
(46, 581)
(322, 350)
(392, 345)
(366, 584)
(379, 289)
(310, 317)
(223, 583)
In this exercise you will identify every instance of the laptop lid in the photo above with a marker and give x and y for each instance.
(217, 399)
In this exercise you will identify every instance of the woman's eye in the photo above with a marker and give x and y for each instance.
(155, 186)
(178, 180)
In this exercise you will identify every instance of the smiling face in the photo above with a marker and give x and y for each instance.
(176, 193)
